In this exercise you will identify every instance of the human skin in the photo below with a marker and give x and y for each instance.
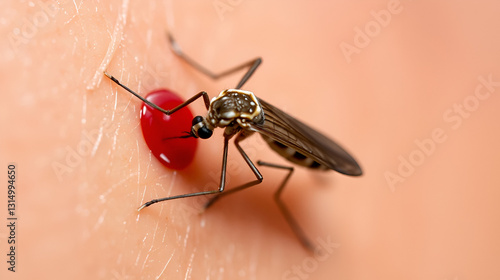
(80, 221)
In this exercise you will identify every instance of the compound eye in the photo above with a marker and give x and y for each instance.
(196, 120)
(204, 132)
(199, 129)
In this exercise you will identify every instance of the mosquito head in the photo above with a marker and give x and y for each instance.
(201, 128)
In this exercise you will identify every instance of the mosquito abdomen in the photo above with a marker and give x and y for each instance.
(292, 155)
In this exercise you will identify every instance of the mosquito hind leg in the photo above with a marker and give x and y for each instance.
(252, 64)
(284, 210)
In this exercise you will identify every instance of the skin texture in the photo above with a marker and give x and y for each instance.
(83, 167)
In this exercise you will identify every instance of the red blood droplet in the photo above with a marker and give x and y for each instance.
(157, 127)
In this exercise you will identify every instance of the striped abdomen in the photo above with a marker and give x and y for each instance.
(292, 155)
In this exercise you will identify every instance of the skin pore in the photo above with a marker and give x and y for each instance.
(84, 168)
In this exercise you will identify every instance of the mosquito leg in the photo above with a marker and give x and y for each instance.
(253, 64)
(222, 183)
(168, 112)
(255, 171)
(286, 213)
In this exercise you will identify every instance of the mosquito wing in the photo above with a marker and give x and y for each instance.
(292, 133)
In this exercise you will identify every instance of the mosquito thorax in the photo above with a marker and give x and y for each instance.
(234, 106)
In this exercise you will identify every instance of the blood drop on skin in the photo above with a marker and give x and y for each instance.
(159, 129)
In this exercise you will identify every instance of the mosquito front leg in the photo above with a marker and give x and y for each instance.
(252, 64)
(167, 112)
(222, 183)
(252, 166)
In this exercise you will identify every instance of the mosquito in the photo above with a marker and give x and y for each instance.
(241, 114)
